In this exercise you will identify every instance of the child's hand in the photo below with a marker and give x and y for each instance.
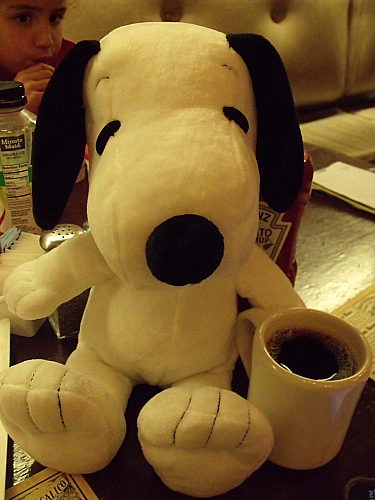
(35, 80)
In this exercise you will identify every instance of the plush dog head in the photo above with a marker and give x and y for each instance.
(182, 122)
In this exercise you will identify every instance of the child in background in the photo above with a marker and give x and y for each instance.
(31, 44)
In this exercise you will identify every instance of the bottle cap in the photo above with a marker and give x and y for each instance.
(12, 95)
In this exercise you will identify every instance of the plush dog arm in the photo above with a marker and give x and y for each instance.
(268, 291)
(35, 289)
(264, 285)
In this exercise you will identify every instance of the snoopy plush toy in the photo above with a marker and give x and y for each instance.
(185, 127)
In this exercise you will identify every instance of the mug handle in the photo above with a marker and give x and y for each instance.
(247, 322)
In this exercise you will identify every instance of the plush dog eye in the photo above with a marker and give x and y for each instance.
(108, 131)
(238, 117)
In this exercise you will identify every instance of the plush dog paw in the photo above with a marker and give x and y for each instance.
(27, 293)
(62, 419)
(203, 442)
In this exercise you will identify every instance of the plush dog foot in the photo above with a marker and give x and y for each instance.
(203, 442)
(62, 419)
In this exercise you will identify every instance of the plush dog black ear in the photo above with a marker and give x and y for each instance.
(60, 137)
(279, 143)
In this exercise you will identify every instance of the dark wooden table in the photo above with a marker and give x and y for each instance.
(336, 260)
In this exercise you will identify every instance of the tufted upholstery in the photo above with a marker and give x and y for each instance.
(328, 47)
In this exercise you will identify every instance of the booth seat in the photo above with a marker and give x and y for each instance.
(328, 47)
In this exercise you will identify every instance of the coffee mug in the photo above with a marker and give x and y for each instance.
(308, 371)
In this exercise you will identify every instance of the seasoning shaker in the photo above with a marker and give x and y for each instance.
(66, 319)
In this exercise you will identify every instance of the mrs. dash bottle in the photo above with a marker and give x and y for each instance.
(16, 130)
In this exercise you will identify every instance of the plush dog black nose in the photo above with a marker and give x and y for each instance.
(184, 250)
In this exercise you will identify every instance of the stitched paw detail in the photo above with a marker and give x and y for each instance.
(207, 417)
(61, 418)
(203, 442)
(30, 396)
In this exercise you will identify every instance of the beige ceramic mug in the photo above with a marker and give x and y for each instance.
(308, 371)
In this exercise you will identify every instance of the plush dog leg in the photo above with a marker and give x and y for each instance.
(205, 441)
(61, 418)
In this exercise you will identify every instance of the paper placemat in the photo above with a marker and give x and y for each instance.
(360, 312)
(352, 134)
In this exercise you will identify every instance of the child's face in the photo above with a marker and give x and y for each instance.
(30, 33)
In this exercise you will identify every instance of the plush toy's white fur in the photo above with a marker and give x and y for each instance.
(173, 154)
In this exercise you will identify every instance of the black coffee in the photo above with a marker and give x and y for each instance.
(312, 354)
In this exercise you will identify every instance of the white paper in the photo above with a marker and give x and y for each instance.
(4, 363)
(348, 182)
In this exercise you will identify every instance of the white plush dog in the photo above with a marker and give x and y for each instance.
(180, 120)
